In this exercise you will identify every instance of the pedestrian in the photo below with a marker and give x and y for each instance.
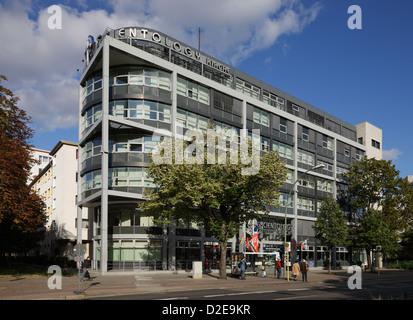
(296, 270)
(264, 274)
(243, 267)
(278, 268)
(304, 269)
(86, 266)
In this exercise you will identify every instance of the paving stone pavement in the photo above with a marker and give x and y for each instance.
(124, 283)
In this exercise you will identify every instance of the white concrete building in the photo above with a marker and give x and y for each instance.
(43, 157)
(56, 184)
(371, 137)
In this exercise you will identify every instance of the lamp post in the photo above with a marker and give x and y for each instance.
(319, 166)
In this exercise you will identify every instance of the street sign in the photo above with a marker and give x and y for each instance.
(288, 247)
(79, 249)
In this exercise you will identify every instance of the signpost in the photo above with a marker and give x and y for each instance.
(79, 251)
(287, 251)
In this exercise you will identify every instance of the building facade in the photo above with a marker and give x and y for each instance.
(371, 137)
(138, 80)
(56, 184)
(43, 158)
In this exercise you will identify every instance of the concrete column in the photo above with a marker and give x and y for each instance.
(79, 183)
(105, 162)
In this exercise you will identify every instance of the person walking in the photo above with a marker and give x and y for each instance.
(263, 268)
(296, 270)
(278, 268)
(86, 266)
(243, 267)
(304, 269)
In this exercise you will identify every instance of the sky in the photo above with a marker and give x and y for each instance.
(303, 47)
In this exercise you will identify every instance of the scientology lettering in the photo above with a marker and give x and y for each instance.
(156, 37)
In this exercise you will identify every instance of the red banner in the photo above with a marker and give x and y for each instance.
(253, 243)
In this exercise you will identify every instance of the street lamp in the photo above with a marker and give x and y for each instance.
(319, 166)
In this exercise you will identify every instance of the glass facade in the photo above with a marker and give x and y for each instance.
(174, 91)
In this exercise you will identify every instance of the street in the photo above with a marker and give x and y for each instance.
(389, 285)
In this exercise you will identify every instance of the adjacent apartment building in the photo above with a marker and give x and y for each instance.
(137, 80)
(56, 183)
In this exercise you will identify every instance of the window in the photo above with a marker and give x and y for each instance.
(273, 100)
(306, 182)
(327, 166)
(248, 89)
(92, 84)
(325, 185)
(359, 154)
(223, 127)
(375, 144)
(145, 77)
(282, 200)
(265, 144)
(283, 149)
(305, 135)
(91, 180)
(129, 176)
(305, 157)
(261, 117)
(140, 109)
(193, 91)
(327, 142)
(191, 120)
(91, 116)
(290, 176)
(283, 125)
(305, 204)
(341, 170)
(91, 148)
(132, 143)
(347, 153)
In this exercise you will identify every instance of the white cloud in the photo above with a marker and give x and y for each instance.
(41, 63)
(392, 154)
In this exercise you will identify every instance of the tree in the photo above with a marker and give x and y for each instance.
(21, 210)
(218, 196)
(376, 184)
(374, 232)
(380, 201)
(405, 252)
(331, 227)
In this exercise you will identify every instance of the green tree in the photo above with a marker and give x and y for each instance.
(219, 197)
(376, 184)
(21, 210)
(331, 227)
(405, 251)
(379, 198)
(374, 232)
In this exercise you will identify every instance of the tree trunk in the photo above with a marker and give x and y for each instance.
(223, 267)
(329, 260)
(369, 258)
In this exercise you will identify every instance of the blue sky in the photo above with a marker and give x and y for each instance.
(299, 46)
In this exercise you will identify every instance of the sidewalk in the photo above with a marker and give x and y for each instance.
(123, 283)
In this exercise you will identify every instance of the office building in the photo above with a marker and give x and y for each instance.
(138, 80)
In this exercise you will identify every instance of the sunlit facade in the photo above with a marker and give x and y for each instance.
(138, 80)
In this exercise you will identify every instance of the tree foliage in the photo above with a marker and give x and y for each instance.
(376, 184)
(405, 251)
(381, 202)
(331, 226)
(21, 211)
(217, 196)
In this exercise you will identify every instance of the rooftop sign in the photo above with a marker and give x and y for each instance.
(153, 36)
